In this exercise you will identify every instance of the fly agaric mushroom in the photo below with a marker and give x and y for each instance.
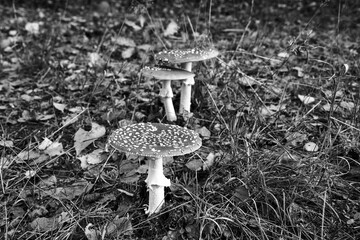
(166, 75)
(155, 140)
(186, 56)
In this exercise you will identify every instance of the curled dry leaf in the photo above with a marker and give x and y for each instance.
(59, 106)
(171, 28)
(306, 99)
(91, 233)
(311, 147)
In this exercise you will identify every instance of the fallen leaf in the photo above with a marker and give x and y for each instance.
(55, 149)
(44, 224)
(283, 55)
(271, 110)
(127, 53)
(26, 155)
(91, 233)
(6, 143)
(171, 28)
(5, 162)
(47, 182)
(241, 193)
(123, 41)
(210, 160)
(96, 60)
(33, 27)
(85, 138)
(247, 81)
(91, 158)
(204, 132)
(70, 119)
(59, 106)
(296, 138)
(299, 70)
(68, 192)
(194, 165)
(306, 99)
(145, 47)
(311, 147)
(132, 24)
(51, 148)
(30, 173)
(44, 144)
(119, 226)
(347, 105)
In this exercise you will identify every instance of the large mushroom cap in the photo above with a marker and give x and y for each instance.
(186, 55)
(166, 73)
(155, 140)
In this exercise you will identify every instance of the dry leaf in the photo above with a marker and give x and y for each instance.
(306, 99)
(91, 158)
(123, 41)
(347, 105)
(210, 160)
(68, 192)
(44, 224)
(132, 24)
(33, 28)
(247, 81)
(91, 233)
(6, 143)
(59, 106)
(85, 138)
(204, 132)
(195, 164)
(311, 147)
(120, 226)
(171, 28)
(127, 53)
(26, 155)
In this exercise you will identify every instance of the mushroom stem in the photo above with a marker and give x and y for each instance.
(185, 98)
(156, 181)
(166, 95)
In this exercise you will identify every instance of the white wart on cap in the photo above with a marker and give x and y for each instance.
(155, 140)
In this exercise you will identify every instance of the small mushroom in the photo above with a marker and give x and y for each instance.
(155, 140)
(166, 75)
(186, 56)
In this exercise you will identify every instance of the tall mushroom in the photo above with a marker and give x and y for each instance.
(166, 75)
(155, 140)
(186, 56)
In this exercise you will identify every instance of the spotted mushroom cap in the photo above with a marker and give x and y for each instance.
(166, 73)
(155, 140)
(187, 55)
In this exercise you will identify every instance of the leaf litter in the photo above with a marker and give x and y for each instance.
(277, 112)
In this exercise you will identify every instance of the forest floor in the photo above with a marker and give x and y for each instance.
(278, 112)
